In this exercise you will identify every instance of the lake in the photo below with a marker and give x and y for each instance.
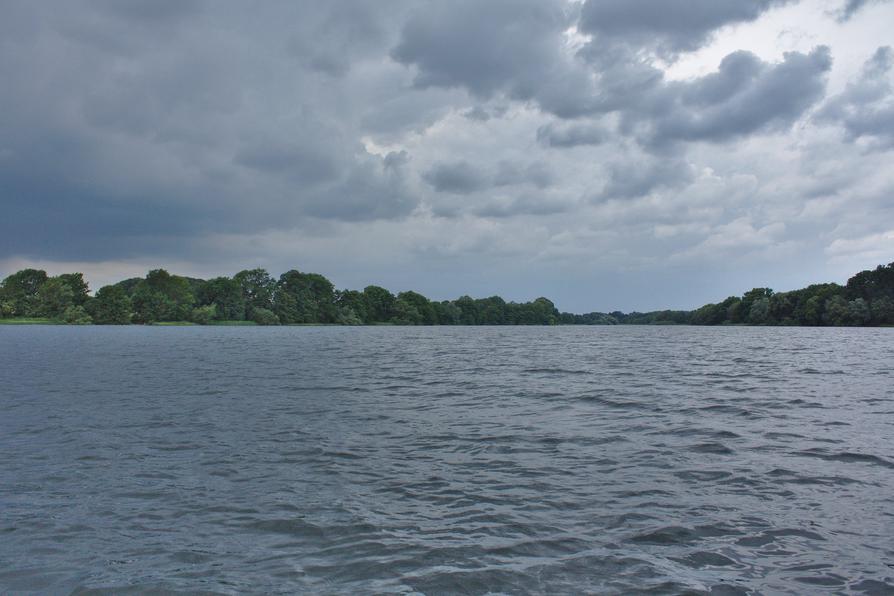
(446, 459)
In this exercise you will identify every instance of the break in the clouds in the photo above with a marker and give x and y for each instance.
(606, 153)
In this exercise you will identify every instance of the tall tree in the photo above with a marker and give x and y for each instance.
(258, 289)
(379, 304)
(53, 297)
(226, 296)
(111, 306)
(20, 291)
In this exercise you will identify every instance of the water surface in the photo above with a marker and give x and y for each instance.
(447, 459)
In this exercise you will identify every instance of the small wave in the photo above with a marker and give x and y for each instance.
(702, 475)
(715, 448)
(555, 371)
(846, 457)
(701, 559)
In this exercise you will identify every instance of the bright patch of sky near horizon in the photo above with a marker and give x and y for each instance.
(587, 151)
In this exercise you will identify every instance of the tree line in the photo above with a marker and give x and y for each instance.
(866, 300)
(251, 295)
(254, 296)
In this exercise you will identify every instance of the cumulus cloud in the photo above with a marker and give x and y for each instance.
(457, 177)
(475, 135)
(629, 179)
(669, 27)
(510, 47)
(865, 109)
(852, 7)
(745, 96)
(461, 177)
(571, 135)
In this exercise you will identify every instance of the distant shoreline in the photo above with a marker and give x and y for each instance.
(52, 323)
(254, 297)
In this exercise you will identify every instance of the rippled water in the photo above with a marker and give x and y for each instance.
(444, 460)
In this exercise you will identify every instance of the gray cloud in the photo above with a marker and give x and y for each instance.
(488, 135)
(486, 47)
(852, 7)
(670, 26)
(865, 109)
(305, 165)
(743, 97)
(516, 49)
(536, 174)
(630, 179)
(502, 46)
(149, 11)
(462, 178)
(571, 135)
(457, 177)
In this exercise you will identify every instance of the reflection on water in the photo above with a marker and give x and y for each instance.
(441, 460)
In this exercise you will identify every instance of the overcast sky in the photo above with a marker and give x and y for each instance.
(608, 154)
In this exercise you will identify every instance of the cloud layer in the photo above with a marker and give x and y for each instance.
(521, 147)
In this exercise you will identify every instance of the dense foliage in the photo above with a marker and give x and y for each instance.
(309, 298)
(866, 300)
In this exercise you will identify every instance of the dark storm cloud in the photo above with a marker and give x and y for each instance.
(502, 45)
(865, 109)
(513, 47)
(160, 119)
(669, 26)
(138, 128)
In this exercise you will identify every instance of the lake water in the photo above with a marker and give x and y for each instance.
(447, 459)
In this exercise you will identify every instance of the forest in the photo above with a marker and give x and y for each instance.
(254, 297)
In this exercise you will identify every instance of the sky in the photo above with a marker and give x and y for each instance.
(607, 154)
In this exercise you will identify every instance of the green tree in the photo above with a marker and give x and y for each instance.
(111, 306)
(264, 316)
(759, 313)
(405, 313)
(258, 289)
(447, 313)
(468, 310)
(883, 311)
(351, 301)
(53, 297)
(345, 315)
(203, 315)
(226, 295)
(427, 315)
(858, 312)
(379, 304)
(20, 290)
(80, 291)
(162, 297)
(76, 315)
(836, 312)
(735, 312)
(709, 314)
(304, 298)
(491, 311)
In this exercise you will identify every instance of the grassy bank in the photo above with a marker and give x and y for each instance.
(29, 321)
(209, 324)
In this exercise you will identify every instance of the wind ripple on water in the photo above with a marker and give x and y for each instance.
(444, 460)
